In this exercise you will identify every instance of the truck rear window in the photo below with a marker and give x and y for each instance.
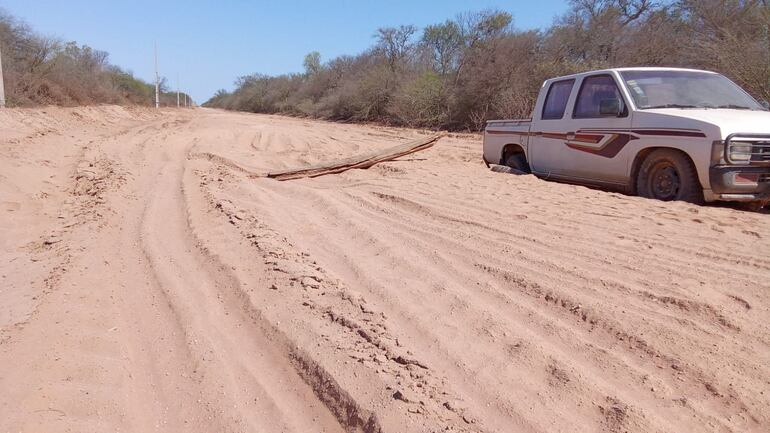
(556, 100)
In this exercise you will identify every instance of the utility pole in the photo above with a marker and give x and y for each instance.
(177, 90)
(2, 86)
(157, 79)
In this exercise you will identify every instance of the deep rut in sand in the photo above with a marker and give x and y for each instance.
(236, 351)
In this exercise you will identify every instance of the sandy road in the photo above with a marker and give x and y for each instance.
(151, 281)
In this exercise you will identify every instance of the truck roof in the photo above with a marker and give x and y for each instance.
(599, 71)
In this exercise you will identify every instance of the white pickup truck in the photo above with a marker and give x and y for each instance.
(663, 133)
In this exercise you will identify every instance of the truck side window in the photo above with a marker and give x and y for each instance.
(556, 100)
(593, 90)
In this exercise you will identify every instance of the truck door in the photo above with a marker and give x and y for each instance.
(543, 156)
(589, 143)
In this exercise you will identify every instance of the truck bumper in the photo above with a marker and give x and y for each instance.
(735, 183)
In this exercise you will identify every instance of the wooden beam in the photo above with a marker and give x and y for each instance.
(360, 161)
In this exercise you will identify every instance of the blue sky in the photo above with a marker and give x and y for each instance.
(210, 43)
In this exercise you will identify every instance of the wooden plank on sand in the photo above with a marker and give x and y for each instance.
(360, 161)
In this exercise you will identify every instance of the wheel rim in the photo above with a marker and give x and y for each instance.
(664, 181)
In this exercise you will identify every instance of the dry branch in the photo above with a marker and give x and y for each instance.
(359, 161)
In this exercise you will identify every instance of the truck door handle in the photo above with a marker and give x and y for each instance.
(570, 136)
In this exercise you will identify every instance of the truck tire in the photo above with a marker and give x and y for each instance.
(518, 162)
(668, 175)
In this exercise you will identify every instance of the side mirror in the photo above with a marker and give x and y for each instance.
(765, 104)
(610, 107)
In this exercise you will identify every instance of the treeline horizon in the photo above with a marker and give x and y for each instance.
(42, 70)
(459, 73)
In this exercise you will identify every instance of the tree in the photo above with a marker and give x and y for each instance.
(479, 31)
(628, 11)
(312, 63)
(731, 36)
(445, 42)
(483, 26)
(394, 43)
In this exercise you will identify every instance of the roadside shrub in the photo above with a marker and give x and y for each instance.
(460, 73)
(421, 102)
(39, 70)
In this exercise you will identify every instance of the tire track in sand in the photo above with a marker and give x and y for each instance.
(243, 372)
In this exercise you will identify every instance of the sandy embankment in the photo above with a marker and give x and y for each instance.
(150, 282)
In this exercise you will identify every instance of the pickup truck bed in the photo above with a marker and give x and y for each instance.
(500, 133)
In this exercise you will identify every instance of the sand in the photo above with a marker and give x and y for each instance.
(150, 280)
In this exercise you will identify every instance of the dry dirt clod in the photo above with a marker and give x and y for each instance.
(311, 283)
(405, 396)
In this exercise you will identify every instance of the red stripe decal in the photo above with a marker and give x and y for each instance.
(609, 150)
(664, 133)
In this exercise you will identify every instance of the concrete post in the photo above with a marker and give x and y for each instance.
(157, 79)
(2, 86)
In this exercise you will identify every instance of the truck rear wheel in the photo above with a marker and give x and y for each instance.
(518, 162)
(668, 175)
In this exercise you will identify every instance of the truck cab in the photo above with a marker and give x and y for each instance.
(663, 133)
